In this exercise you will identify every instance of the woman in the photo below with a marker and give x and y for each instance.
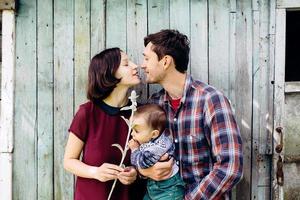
(97, 125)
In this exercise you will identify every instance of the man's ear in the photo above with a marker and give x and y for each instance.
(167, 61)
(155, 134)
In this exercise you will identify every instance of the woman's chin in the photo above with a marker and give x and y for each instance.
(136, 81)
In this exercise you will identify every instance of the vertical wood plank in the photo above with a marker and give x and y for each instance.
(180, 19)
(136, 31)
(63, 92)
(199, 40)
(241, 88)
(158, 19)
(270, 124)
(180, 16)
(7, 103)
(45, 99)
(232, 62)
(277, 191)
(262, 83)
(255, 138)
(6, 183)
(82, 50)
(7, 84)
(97, 26)
(262, 103)
(116, 24)
(219, 44)
(0, 53)
(25, 124)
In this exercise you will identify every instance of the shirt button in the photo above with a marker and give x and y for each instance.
(175, 119)
(176, 140)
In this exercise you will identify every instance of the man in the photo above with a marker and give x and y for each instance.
(200, 120)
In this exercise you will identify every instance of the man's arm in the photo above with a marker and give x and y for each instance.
(160, 171)
(226, 146)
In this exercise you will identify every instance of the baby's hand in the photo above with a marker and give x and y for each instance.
(132, 144)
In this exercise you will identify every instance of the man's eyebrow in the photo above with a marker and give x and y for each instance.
(144, 54)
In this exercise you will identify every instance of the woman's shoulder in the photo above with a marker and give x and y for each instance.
(85, 107)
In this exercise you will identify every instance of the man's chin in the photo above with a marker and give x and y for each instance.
(150, 81)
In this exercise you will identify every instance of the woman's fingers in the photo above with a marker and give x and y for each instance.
(113, 167)
(108, 172)
(128, 175)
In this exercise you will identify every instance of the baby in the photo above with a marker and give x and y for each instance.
(147, 145)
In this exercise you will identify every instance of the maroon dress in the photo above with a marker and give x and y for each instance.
(99, 126)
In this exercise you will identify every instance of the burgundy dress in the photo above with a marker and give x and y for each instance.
(99, 126)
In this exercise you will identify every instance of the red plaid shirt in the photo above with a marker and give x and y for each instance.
(207, 140)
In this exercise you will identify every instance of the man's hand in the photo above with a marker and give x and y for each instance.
(127, 176)
(161, 170)
(132, 144)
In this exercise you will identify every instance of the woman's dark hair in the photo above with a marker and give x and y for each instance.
(154, 115)
(101, 75)
(173, 43)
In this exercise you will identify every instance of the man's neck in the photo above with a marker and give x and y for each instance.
(174, 84)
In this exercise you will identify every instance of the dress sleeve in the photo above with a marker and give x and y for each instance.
(79, 125)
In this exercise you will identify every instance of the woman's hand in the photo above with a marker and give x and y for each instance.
(106, 172)
(128, 175)
(160, 171)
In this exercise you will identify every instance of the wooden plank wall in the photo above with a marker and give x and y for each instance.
(232, 48)
(0, 51)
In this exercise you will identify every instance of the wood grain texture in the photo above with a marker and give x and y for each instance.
(25, 120)
(199, 40)
(45, 99)
(63, 92)
(158, 19)
(136, 31)
(116, 21)
(7, 103)
(219, 20)
(82, 49)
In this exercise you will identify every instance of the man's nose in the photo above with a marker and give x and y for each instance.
(143, 65)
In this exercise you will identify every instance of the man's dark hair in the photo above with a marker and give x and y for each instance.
(101, 75)
(154, 115)
(173, 43)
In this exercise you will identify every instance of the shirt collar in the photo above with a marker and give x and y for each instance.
(110, 110)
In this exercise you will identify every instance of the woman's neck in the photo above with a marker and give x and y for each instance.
(118, 97)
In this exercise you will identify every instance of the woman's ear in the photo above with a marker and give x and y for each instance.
(155, 134)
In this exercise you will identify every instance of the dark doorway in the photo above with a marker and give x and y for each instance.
(292, 62)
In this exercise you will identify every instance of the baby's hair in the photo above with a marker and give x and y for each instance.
(154, 115)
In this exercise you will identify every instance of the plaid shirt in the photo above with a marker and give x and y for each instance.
(207, 140)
